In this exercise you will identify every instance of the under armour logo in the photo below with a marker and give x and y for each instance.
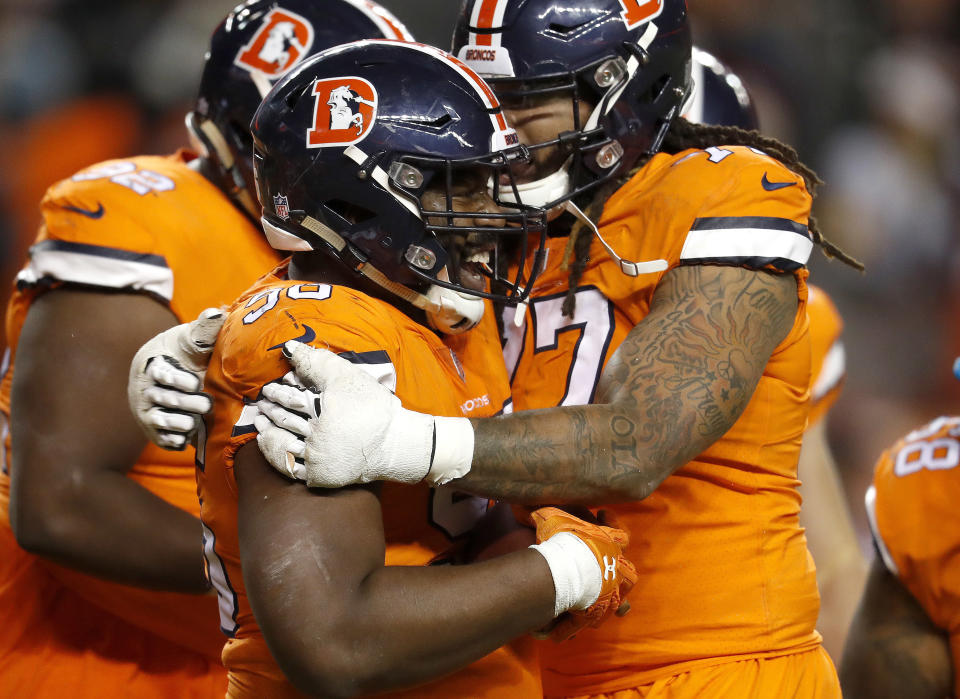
(609, 568)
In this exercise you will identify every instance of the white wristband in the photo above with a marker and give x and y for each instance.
(452, 451)
(575, 570)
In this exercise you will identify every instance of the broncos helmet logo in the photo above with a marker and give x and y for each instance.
(283, 39)
(344, 111)
(342, 115)
(636, 12)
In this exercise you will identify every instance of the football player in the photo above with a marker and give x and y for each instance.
(89, 511)
(720, 97)
(905, 637)
(329, 592)
(682, 319)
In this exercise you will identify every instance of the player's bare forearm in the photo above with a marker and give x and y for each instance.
(676, 384)
(893, 649)
(74, 440)
(338, 621)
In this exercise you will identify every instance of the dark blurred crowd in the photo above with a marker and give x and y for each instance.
(868, 91)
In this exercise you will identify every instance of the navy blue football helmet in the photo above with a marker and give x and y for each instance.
(356, 157)
(250, 50)
(628, 59)
(719, 95)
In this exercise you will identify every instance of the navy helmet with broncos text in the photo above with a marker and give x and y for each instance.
(250, 50)
(350, 146)
(629, 60)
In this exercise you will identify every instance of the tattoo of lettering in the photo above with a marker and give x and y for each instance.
(676, 384)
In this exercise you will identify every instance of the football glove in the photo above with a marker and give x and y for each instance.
(345, 427)
(590, 573)
(166, 376)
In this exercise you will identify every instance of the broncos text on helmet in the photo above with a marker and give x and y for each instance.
(628, 59)
(360, 151)
(250, 50)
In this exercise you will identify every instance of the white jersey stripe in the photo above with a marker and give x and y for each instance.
(870, 500)
(832, 371)
(90, 269)
(244, 423)
(746, 242)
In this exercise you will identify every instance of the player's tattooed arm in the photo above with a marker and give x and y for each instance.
(675, 385)
(893, 649)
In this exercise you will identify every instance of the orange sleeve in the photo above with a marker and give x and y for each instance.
(100, 228)
(754, 212)
(827, 355)
(726, 206)
(913, 513)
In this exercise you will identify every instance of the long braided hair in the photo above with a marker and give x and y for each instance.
(683, 135)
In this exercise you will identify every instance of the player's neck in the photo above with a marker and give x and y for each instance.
(319, 267)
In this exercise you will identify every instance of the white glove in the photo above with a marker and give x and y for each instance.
(348, 428)
(166, 376)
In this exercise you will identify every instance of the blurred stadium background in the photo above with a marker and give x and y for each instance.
(867, 90)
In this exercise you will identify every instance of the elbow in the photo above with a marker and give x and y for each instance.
(41, 522)
(341, 670)
(637, 486)
(639, 478)
(33, 533)
(332, 654)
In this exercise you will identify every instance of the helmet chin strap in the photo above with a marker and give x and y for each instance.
(631, 269)
(539, 192)
(206, 138)
(455, 312)
(448, 311)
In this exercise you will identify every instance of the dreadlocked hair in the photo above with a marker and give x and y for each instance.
(684, 135)
(577, 253)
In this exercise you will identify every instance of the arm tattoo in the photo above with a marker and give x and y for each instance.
(677, 383)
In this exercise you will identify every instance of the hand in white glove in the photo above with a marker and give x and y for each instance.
(347, 428)
(166, 376)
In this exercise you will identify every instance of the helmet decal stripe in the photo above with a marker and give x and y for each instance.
(489, 99)
(487, 14)
(386, 22)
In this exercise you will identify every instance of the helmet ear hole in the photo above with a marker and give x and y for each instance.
(353, 214)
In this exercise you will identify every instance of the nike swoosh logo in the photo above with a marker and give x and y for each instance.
(86, 212)
(308, 336)
(773, 186)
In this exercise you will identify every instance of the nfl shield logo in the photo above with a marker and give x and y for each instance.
(281, 206)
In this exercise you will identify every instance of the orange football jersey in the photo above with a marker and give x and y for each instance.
(465, 376)
(148, 225)
(724, 568)
(913, 513)
(828, 359)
